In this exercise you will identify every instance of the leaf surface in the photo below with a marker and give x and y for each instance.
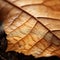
(37, 35)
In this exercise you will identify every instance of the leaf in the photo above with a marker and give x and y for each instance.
(25, 2)
(44, 9)
(41, 8)
(53, 25)
(26, 33)
(48, 9)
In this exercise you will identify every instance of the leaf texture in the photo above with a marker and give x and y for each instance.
(47, 9)
(40, 8)
(33, 32)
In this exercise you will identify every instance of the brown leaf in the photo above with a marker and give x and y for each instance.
(48, 9)
(40, 8)
(27, 34)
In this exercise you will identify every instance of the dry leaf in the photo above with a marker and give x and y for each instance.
(40, 8)
(27, 34)
(45, 10)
